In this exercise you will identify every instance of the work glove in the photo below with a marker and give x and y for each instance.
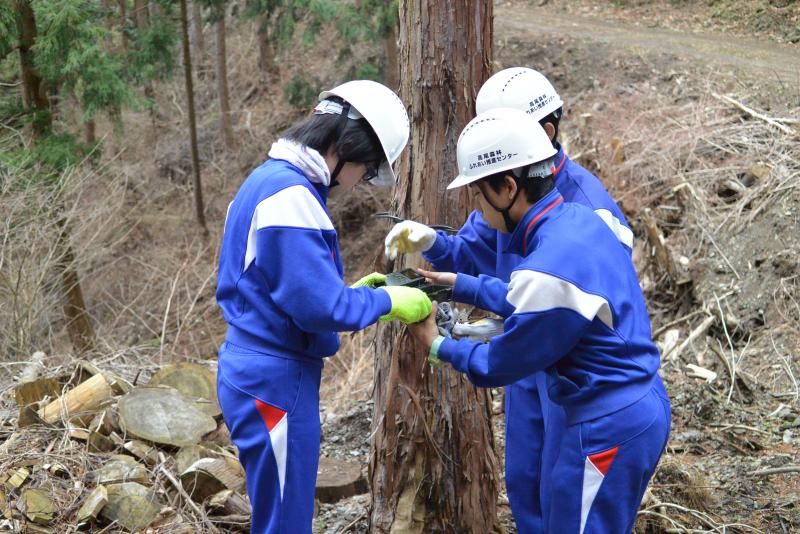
(408, 236)
(409, 304)
(371, 280)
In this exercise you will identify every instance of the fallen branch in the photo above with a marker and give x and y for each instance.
(754, 113)
(697, 332)
(775, 471)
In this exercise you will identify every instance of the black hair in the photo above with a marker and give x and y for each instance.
(354, 139)
(534, 188)
(554, 118)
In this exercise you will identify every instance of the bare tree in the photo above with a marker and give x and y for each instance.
(222, 79)
(187, 68)
(433, 467)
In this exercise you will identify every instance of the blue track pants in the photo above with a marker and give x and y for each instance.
(271, 407)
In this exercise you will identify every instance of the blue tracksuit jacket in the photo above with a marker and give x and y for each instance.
(579, 317)
(280, 282)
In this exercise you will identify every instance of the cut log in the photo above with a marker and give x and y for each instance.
(228, 502)
(85, 397)
(37, 506)
(209, 476)
(338, 479)
(91, 507)
(146, 453)
(30, 392)
(123, 469)
(131, 505)
(163, 415)
(193, 380)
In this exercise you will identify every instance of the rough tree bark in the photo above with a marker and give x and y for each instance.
(140, 14)
(187, 70)
(222, 81)
(79, 326)
(433, 467)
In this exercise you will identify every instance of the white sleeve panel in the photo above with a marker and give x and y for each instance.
(294, 207)
(622, 232)
(532, 291)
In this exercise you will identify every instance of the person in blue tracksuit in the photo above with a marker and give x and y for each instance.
(533, 423)
(281, 290)
(574, 310)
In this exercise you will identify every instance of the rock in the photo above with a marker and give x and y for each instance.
(131, 505)
(17, 478)
(337, 479)
(193, 380)
(163, 415)
(92, 506)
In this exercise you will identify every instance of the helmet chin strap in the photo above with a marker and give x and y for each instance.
(340, 128)
(510, 224)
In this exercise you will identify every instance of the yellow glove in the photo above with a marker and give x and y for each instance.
(371, 280)
(409, 304)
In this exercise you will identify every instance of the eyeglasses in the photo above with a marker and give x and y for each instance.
(371, 173)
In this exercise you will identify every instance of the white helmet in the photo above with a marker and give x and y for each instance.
(519, 88)
(385, 113)
(502, 139)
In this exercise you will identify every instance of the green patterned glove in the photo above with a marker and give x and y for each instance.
(371, 280)
(409, 304)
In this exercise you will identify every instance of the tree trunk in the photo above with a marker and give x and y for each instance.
(222, 81)
(266, 50)
(433, 467)
(196, 33)
(123, 15)
(390, 52)
(140, 14)
(91, 132)
(79, 326)
(187, 69)
(34, 97)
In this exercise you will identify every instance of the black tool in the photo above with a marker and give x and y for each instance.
(411, 278)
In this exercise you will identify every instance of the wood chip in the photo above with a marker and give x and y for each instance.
(17, 478)
(37, 506)
(163, 415)
(91, 507)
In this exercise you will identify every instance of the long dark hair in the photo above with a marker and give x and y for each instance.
(354, 139)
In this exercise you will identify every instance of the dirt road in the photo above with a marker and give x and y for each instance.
(753, 56)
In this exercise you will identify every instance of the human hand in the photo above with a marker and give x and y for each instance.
(371, 280)
(408, 236)
(426, 331)
(442, 279)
